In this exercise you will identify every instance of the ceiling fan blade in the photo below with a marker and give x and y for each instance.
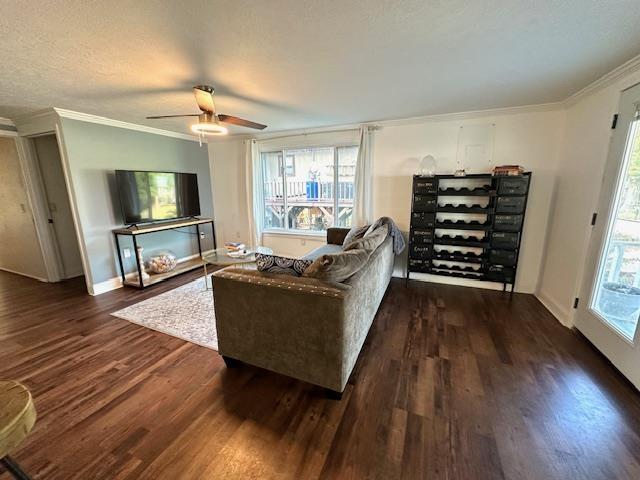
(239, 121)
(204, 98)
(173, 116)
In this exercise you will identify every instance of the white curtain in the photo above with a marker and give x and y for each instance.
(363, 201)
(253, 172)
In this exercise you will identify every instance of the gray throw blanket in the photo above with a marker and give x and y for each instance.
(398, 240)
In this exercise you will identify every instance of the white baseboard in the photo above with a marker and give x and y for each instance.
(116, 282)
(556, 310)
(459, 282)
(40, 279)
(106, 286)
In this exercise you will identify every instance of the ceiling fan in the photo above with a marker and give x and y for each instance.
(209, 120)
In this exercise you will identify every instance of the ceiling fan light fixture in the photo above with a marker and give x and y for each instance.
(209, 129)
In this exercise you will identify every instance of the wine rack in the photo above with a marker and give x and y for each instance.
(483, 241)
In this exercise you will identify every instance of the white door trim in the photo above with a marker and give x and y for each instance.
(38, 204)
(622, 352)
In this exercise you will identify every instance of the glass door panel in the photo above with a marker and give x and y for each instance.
(616, 297)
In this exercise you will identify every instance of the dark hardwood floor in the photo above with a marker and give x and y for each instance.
(452, 383)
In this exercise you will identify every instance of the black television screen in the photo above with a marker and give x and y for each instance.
(150, 196)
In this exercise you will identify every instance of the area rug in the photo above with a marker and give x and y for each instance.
(185, 312)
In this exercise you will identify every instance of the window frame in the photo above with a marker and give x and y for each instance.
(283, 166)
(283, 151)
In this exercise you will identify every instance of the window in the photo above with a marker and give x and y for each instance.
(311, 190)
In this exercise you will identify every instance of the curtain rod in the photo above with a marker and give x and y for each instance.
(351, 129)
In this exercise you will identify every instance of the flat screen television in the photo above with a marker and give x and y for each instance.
(152, 196)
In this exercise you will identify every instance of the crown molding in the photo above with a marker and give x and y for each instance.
(443, 117)
(86, 117)
(7, 128)
(471, 114)
(607, 79)
(40, 114)
(38, 123)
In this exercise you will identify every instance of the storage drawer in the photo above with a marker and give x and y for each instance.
(507, 223)
(510, 205)
(499, 273)
(422, 219)
(419, 265)
(504, 240)
(513, 185)
(424, 203)
(428, 186)
(502, 257)
(422, 236)
(420, 251)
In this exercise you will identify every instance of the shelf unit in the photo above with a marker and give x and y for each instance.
(137, 279)
(486, 250)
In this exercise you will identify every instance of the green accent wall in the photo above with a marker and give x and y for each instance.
(94, 152)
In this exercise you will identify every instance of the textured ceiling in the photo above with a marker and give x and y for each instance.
(296, 63)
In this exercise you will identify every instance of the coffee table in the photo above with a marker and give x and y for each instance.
(220, 258)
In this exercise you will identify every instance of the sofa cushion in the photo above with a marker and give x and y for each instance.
(354, 234)
(370, 241)
(281, 265)
(323, 250)
(337, 267)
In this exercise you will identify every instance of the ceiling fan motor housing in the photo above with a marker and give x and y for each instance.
(208, 118)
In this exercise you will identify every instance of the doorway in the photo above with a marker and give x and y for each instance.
(58, 207)
(19, 242)
(609, 308)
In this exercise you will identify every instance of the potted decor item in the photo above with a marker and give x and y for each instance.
(619, 301)
(161, 261)
(428, 166)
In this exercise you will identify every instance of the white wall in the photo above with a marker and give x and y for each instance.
(292, 246)
(579, 177)
(532, 139)
(19, 246)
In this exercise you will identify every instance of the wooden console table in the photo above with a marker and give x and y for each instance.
(135, 231)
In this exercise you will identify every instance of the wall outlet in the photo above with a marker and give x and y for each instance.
(201, 234)
(127, 252)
